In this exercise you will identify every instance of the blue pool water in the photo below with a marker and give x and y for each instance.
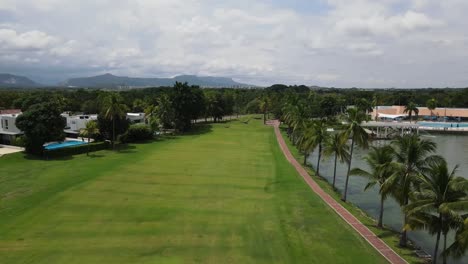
(447, 124)
(64, 144)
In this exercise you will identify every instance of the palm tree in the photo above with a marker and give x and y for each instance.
(375, 102)
(382, 167)
(411, 108)
(358, 136)
(264, 107)
(319, 138)
(337, 145)
(306, 140)
(431, 104)
(460, 245)
(413, 155)
(114, 109)
(441, 198)
(90, 131)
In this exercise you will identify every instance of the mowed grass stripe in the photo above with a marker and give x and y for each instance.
(226, 195)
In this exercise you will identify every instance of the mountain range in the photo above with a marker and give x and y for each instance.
(111, 81)
(10, 80)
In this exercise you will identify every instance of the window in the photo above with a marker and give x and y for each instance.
(6, 124)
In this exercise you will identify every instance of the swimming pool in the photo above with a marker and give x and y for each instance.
(447, 124)
(64, 144)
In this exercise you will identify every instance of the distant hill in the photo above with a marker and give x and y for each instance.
(112, 81)
(10, 80)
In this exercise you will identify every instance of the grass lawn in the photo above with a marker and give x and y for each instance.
(223, 195)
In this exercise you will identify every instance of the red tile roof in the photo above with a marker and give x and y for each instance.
(10, 111)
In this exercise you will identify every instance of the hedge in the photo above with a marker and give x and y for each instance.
(80, 149)
(136, 133)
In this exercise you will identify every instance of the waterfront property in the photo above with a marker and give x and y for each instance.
(224, 193)
(397, 112)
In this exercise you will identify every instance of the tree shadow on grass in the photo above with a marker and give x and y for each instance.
(125, 148)
(48, 158)
(200, 129)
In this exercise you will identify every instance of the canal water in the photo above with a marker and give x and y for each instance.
(453, 147)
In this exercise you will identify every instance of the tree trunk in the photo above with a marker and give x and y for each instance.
(264, 117)
(334, 171)
(436, 249)
(305, 158)
(113, 133)
(87, 153)
(444, 256)
(345, 194)
(404, 236)
(318, 159)
(380, 224)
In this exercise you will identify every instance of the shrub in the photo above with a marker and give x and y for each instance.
(137, 132)
(18, 142)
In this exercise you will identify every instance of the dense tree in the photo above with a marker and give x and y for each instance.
(41, 123)
(186, 103)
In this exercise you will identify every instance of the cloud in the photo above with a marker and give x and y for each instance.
(10, 40)
(263, 42)
(393, 26)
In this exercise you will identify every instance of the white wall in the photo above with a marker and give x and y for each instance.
(77, 123)
(8, 123)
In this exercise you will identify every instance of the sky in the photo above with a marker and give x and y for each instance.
(334, 43)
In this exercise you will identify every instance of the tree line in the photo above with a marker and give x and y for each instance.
(430, 194)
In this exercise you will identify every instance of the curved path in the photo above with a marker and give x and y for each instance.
(368, 235)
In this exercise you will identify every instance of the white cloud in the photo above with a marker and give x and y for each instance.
(363, 43)
(30, 40)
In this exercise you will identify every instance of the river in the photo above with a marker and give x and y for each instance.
(452, 147)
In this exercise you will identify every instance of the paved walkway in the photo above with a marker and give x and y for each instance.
(368, 235)
(5, 149)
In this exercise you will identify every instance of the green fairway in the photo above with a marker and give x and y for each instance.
(223, 195)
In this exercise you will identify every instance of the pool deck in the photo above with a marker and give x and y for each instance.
(418, 126)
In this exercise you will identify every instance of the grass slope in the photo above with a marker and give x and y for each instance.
(224, 195)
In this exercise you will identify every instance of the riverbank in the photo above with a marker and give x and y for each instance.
(389, 236)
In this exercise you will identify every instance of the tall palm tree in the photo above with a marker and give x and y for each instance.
(315, 135)
(431, 104)
(337, 145)
(264, 107)
(114, 108)
(411, 108)
(90, 131)
(438, 194)
(358, 136)
(413, 155)
(382, 167)
(375, 102)
(306, 140)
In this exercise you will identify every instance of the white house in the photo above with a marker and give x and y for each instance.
(8, 129)
(77, 122)
(135, 118)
